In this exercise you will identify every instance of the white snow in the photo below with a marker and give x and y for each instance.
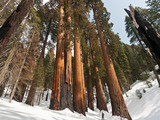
(146, 108)
(21, 111)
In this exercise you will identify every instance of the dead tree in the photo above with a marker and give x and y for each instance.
(148, 34)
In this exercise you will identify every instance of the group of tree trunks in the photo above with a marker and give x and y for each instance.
(62, 79)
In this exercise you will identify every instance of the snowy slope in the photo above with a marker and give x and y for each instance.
(146, 108)
(21, 111)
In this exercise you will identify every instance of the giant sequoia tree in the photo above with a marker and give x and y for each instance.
(118, 104)
(13, 22)
(59, 63)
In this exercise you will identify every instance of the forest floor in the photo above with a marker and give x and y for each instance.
(146, 108)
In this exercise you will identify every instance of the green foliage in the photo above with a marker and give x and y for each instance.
(48, 68)
(39, 73)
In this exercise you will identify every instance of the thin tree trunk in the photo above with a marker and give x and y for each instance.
(119, 107)
(13, 22)
(59, 64)
(20, 71)
(83, 85)
(101, 102)
(5, 6)
(78, 91)
(89, 86)
(8, 61)
(46, 38)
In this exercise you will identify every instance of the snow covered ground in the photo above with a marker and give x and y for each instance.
(146, 108)
(21, 111)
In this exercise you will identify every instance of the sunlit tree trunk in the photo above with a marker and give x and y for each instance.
(59, 64)
(78, 92)
(119, 107)
(66, 91)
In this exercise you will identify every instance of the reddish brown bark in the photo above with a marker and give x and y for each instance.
(89, 86)
(78, 92)
(101, 102)
(59, 64)
(118, 104)
(66, 91)
(83, 85)
(13, 22)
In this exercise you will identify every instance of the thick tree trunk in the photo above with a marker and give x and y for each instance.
(78, 80)
(13, 22)
(31, 94)
(21, 91)
(101, 102)
(89, 86)
(119, 107)
(66, 91)
(59, 64)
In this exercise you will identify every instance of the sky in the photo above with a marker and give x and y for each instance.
(116, 8)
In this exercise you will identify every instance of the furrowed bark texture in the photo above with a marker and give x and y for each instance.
(59, 64)
(13, 22)
(66, 91)
(78, 92)
(119, 107)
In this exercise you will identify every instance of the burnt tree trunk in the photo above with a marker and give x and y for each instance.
(119, 107)
(101, 102)
(66, 93)
(78, 92)
(149, 36)
(59, 64)
(13, 22)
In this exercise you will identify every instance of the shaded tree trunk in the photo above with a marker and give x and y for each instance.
(101, 102)
(13, 22)
(46, 38)
(31, 94)
(59, 64)
(21, 68)
(78, 92)
(83, 85)
(20, 93)
(89, 86)
(119, 107)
